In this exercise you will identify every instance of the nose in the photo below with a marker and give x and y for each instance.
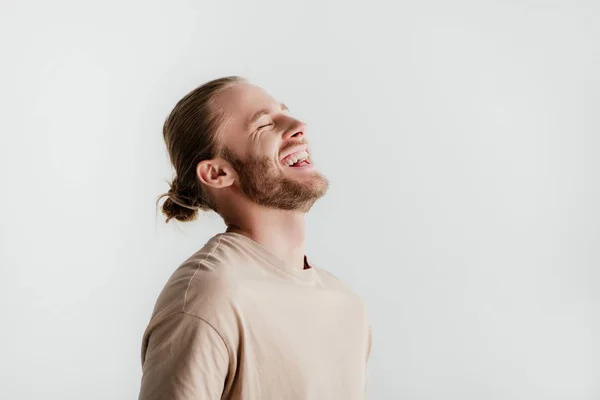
(297, 129)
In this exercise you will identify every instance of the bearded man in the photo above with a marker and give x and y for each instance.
(248, 316)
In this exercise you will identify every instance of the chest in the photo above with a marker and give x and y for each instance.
(304, 325)
(301, 343)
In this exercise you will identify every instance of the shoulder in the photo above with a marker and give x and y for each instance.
(332, 281)
(204, 285)
(329, 279)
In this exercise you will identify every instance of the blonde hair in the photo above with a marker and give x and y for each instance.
(190, 134)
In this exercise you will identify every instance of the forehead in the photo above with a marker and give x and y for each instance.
(241, 100)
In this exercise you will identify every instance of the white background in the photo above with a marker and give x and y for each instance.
(461, 140)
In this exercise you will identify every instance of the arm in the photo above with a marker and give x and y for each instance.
(186, 358)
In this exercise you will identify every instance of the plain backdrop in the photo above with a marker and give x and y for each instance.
(461, 140)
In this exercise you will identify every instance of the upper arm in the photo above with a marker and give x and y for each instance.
(185, 358)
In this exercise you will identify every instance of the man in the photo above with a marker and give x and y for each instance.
(248, 316)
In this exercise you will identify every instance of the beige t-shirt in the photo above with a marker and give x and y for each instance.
(233, 323)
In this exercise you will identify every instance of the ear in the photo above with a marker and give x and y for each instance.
(216, 173)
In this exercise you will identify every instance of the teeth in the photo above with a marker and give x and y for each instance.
(301, 155)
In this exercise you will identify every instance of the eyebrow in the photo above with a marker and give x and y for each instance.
(262, 112)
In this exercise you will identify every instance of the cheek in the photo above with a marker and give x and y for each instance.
(270, 151)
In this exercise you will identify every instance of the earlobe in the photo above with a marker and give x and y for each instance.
(212, 173)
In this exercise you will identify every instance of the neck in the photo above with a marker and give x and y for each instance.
(281, 232)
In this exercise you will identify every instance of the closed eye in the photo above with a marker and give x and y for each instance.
(260, 127)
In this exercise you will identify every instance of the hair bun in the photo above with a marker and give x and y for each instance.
(175, 206)
(191, 136)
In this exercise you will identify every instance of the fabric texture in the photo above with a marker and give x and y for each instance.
(233, 322)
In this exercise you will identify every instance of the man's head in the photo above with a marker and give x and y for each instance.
(230, 140)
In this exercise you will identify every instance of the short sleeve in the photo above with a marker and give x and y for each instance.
(185, 358)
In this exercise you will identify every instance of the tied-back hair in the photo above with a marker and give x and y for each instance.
(191, 136)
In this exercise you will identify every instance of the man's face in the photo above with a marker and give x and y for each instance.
(261, 147)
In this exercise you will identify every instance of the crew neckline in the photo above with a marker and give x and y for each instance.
(306, 275)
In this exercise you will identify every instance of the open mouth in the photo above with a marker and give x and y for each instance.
(297, 159)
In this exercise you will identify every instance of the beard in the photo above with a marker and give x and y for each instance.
(266, 185)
